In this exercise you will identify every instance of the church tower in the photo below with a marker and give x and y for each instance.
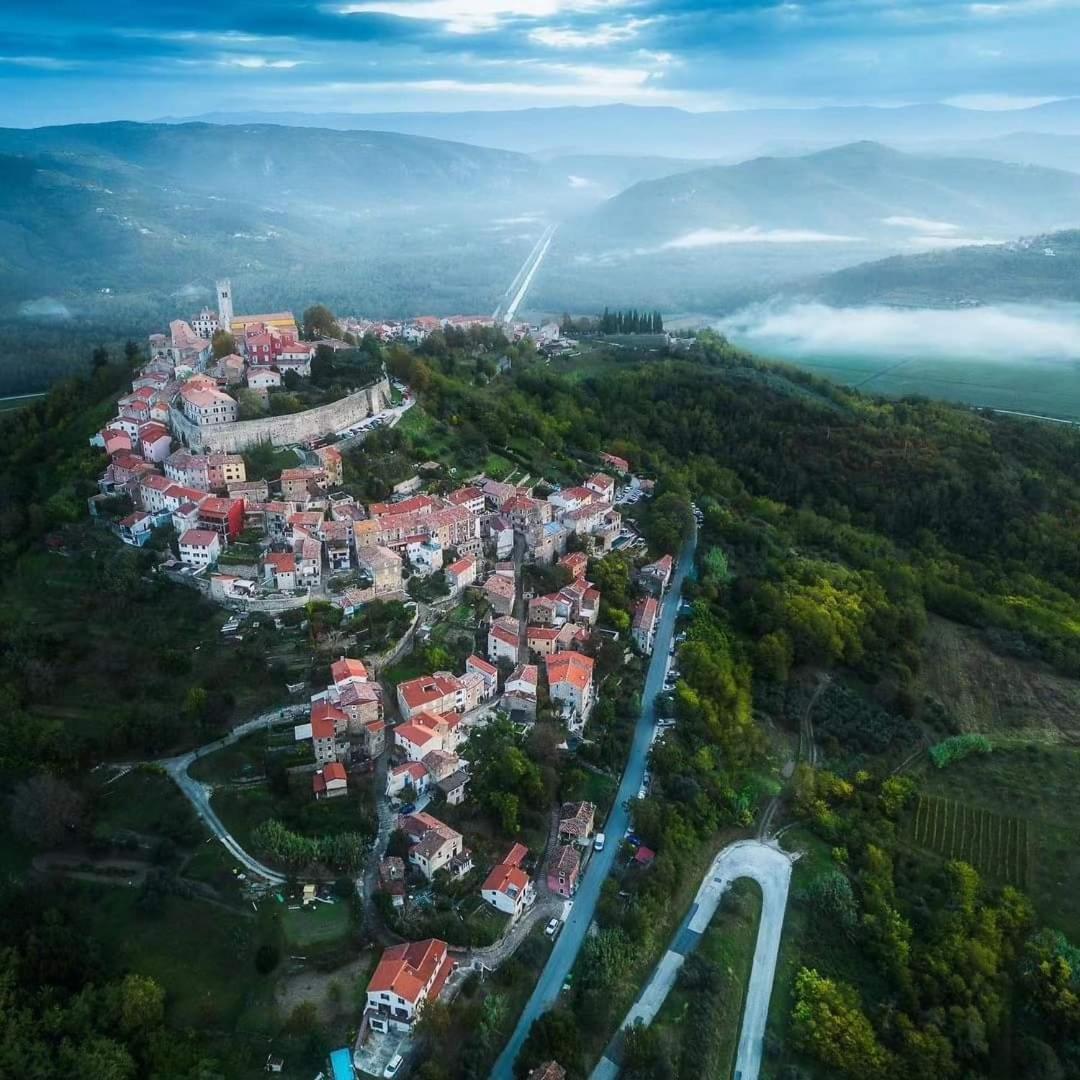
(224, 304)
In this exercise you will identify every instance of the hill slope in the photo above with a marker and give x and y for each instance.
(1042, 268)
(863, 191)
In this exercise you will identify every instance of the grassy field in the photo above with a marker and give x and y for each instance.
(1045, 388)
(997, 845)
(317, 924)
(997, 695)
(1037, 785)
(145, 801)
(202, 955)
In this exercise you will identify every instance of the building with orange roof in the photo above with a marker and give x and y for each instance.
(439, 693)
(646, 619)
(330, 781)
(407, 977)
(345, 669)
(570, 684)
(508, 888)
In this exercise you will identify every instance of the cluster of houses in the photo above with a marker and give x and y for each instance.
(415, 330)
(409, 976)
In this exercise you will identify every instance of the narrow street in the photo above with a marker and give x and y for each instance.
(568, 944)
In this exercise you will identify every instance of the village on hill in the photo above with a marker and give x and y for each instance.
(510, 558)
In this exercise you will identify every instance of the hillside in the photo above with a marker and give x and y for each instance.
(713, 239)
(862, 192)
(1042, 268)
(354, 170)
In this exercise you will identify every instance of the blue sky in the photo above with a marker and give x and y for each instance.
(63, 61)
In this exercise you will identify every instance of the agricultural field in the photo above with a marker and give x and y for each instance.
(1042, 388)
(997, 695)
(1035, 785)
(997, 845)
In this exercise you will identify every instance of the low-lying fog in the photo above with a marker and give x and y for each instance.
(1004, 333)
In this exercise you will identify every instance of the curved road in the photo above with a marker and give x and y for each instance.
(573, 932)
(770, 867)
(199, 794)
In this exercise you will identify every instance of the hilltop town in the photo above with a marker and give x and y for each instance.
(505, 563)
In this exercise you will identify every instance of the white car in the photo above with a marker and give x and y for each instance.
(598, 842)
(393, 1065)
(552, 927)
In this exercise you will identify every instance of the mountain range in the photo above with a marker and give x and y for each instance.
(727, 135)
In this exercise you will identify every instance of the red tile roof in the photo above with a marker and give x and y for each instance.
(347, 668)
(405, 970)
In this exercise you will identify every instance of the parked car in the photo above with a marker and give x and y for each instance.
(552, 927)
(393, 1065)
(598, 842)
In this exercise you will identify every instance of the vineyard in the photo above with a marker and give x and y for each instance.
(997, 845)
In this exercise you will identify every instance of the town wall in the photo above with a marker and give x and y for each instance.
(282, 430)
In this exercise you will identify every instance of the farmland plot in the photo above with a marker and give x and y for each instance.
(997, 845)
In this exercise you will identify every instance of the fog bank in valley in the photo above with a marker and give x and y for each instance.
(1002, 333)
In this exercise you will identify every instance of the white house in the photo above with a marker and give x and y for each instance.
(200, 547)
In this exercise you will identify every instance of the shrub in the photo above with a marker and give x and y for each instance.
(957, 748)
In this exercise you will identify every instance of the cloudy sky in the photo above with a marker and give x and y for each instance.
(62, 60)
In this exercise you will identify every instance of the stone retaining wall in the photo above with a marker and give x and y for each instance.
(282, 430)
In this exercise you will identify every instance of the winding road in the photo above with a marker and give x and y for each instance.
(198, 794)
(770, 867)
(572, 935)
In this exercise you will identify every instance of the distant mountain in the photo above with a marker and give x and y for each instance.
(608, 174)
(704, 240)
(1035, 270)
(728, 136)
(267, 164)
(1054, 151)
(861, 192)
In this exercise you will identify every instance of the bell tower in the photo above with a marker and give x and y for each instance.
(224, 304)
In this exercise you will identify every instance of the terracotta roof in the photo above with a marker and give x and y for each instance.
(418, 692)
(411, 768)
(347, 668)
(405, 970)
(283, 562)
(481, 665)
(199, 538)
(462, 565)
(571, 667)
(325, 718)
(576, 818)
(334, 771)
(506, 879)
(414, 733)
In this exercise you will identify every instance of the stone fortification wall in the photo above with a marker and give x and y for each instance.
(282, 430)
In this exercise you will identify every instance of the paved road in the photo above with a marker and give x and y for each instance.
(573, 933)
(770, 867)
(199, 794)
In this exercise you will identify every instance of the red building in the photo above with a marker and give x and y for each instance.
(223, 516)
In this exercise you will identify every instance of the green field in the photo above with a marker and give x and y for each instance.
(1041, 387)
(997, 845)
(315, 924)
(1037, 784)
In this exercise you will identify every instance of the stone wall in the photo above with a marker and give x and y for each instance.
(282, 430)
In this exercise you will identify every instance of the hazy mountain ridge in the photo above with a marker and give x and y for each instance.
(672, 132)
(1035, 270)
(862, 191)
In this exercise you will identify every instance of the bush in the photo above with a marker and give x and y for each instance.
(957, 748)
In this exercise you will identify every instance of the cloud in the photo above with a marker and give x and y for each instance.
(471, 16)
(41, 63)
(564, 37)
(258, 63)
(1005, 333)
(924, 225)
(754, 234)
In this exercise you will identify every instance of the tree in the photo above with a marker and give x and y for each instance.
(828, 1022)
(99, 358)
(45, 810)
(319, 321)
(555, 1036)
(223, 344)
(142, 1004)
